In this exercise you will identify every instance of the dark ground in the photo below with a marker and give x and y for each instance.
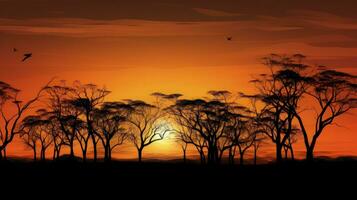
(172, 179)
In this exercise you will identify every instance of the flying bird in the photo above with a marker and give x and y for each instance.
(27, 56)
(14, 50)
(229, 38)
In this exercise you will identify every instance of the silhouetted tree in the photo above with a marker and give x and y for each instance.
(64, 114)
(11, 117)
(54, 135)
(228, 141)
(246, 141)
(29, 134)
(186, 136)
(287, 89)
(182, 136)
(36, 132)
(109, 126)
(58, 138)
(236, 134)
(280, 91)
(203, 119)
(258, 139)
(213, 125)
(45, 140)
(288, 146)
(87, 98)
(256, 124)
(183, 146)
(81, 136)
(146, 125)
(182, 142)
(335, 94)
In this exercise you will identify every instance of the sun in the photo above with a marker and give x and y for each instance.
(168, 146)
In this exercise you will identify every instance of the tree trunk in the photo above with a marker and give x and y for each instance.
(286, 152)
(71, 149)
(84, 148)
(241, 158)
(216, 159)
(59, 151)
(94, 148)
(230, 156)
(212, 154)
(34, 154)
(255, 155)
(140, 151)
(184, 155)
(310, 154)
(209, 154)
(232, 152)
(110, 154)
(4, 156)
(310, 149)
(54, 153)
(292, 153)
(107, 153)
(279, 156)
(84, 155)
(43, 154)
(202, 157)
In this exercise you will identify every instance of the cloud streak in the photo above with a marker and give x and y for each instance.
(215, 13)
(127, 28)
(303, 23)
(324, 19)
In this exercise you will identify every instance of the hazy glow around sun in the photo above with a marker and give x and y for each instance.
(168, 144)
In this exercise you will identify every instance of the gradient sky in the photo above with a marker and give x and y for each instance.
(137, 47)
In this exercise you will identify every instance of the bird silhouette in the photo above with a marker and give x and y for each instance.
(27, 56)
(229, 38)
(14, 50)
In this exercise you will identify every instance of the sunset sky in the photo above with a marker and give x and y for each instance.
(136, 47)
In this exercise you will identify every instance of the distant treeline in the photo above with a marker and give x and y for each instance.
(216, 126)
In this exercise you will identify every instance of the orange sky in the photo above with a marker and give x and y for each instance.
(136, 48)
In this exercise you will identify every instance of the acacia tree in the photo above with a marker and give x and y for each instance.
(258, 139)
(109, 122)
(146, 125)
(53, 134)
(87, 98)
(12, 110)
(64, 113)
(36, 132)
(213, 125)
(280, 91)
(288, 147)
(206, 120)
(335, 94)
(183, 145)
(236, 134)
(82, 137)
(245, 141)
(186, 136)
(285, 92)
(256, 123)
(45, 137)
(233, 115)
(58, 138)
(183, 137)
(29, 134)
